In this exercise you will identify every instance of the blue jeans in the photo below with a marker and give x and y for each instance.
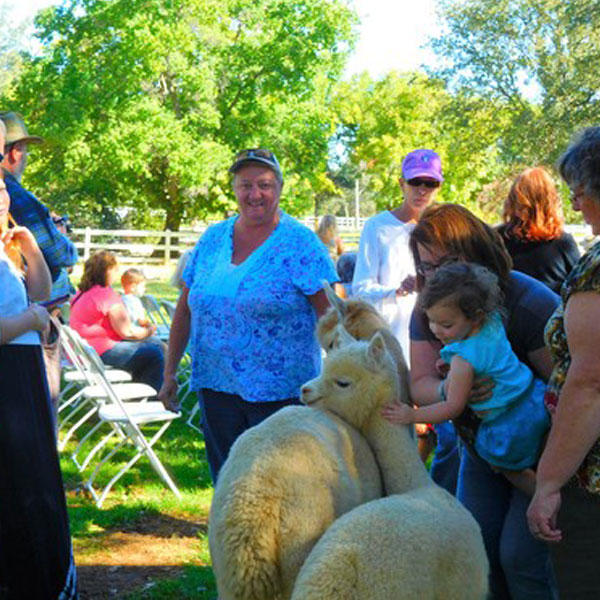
(225, 417)
(520, 567)
(446, 460)
(145, 360)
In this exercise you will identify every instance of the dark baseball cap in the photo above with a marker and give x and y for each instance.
(256, 155)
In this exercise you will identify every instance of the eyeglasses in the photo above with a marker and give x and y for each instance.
(428, 183)
(576, 193)
(425, 268)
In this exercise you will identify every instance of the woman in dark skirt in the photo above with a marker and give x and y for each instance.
(35, 546)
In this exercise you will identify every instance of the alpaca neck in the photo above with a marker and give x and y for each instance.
(396, 453)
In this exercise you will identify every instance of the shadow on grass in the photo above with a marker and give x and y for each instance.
(88, 521)
(140, 583)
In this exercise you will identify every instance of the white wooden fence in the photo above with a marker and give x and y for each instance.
(164, 247)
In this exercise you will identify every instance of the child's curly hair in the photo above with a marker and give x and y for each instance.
(471, 287)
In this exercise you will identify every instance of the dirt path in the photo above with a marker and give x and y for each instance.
(128, 558)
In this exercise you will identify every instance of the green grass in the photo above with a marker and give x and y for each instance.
(141, 495)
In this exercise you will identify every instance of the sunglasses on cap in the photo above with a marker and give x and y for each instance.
(428, 183)
(255, 153)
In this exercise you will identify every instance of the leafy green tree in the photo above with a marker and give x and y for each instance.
(381, 121)
(144, 102)
(536, 57)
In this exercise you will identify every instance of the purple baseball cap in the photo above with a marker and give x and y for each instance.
(422, 163)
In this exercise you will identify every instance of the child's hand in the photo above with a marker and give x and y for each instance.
(151, 329)
(399, 414)
(39, 316)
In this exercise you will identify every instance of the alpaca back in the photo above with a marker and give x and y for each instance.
(285, 481)
(420, 544)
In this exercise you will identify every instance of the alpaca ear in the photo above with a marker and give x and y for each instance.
(343, 338)
(376, 350)
(336, 302)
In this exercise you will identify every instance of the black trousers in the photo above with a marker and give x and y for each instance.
(575, 557)
(227, 416)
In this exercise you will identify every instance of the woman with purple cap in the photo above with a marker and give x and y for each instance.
(384, 266)
(252, 292)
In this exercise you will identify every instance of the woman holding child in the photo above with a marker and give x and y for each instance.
(448, 233)
(99, 315)
(251, 297)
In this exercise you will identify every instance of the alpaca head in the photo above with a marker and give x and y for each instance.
(360, 319)
(357, 379)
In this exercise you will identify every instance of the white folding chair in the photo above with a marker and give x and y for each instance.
(157, 316)
(126, 420)
(76, 378)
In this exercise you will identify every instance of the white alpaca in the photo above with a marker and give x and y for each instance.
(285, 481)
(419, 542)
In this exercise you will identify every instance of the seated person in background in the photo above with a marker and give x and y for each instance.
(134, 287)
(345, 270)
(177, 278)
(99, 316)
(328, 234)
(533, 230)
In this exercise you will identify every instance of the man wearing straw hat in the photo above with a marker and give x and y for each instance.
(58, 250)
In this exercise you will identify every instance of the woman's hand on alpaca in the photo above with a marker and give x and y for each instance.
(399, 414)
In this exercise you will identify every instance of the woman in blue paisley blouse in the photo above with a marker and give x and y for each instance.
(565, 509)
(251, 297)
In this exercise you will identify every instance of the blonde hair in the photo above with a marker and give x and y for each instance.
(132, 276)
(327, 229)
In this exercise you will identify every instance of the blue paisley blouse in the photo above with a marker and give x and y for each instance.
(252, 325)
(585, 277)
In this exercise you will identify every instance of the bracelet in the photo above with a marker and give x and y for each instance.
(442, 391)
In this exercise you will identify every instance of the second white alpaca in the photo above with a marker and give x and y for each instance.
(418, 543)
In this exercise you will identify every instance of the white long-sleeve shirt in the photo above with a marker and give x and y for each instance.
(383, 262)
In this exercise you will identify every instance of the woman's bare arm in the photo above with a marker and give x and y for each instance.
(576, 422)
(121, 323)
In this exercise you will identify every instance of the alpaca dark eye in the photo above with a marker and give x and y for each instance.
(342, 384)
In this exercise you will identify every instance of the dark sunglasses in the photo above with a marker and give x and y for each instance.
(428, 183)
(256, 153)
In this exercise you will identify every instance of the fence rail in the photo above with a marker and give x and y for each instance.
(164, 247)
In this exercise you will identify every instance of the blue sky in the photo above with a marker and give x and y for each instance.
(392, 32)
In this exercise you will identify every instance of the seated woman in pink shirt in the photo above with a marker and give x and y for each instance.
(100, 317)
